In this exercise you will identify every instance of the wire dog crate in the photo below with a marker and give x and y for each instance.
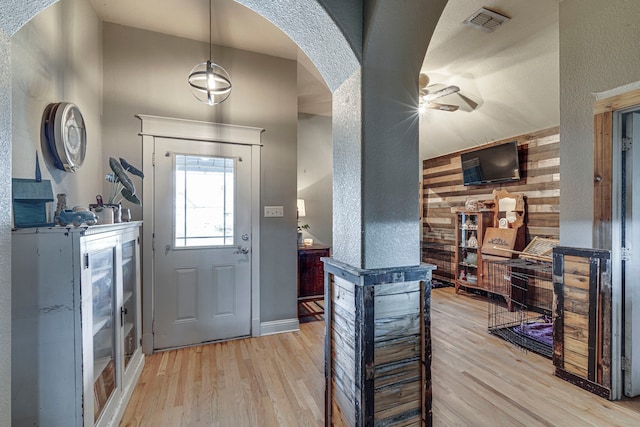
(520, 296)
(441, 256)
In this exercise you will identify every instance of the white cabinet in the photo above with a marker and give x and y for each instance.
(76, 351)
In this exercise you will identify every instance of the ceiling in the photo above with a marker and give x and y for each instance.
(510, 73)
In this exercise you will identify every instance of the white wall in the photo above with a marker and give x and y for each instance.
(315, 176)
(57, 57)
(598, 52)
(146, 73)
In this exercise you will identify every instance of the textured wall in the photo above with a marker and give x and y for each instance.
(5, 231)
(396, 39)
(347, 171)
(13, 14)
(598, 46)
(331, 36)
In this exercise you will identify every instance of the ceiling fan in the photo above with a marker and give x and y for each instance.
(428, 96)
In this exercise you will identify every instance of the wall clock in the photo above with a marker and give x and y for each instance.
(66, 135)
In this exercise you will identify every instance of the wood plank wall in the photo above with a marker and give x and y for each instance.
(443, 192)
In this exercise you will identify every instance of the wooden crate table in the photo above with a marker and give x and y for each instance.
(582, 334)
(377, 345)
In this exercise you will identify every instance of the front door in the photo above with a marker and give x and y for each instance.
(202, 242)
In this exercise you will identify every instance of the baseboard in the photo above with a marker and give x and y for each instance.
(279, 326)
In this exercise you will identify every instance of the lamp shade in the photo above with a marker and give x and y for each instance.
(301, 210)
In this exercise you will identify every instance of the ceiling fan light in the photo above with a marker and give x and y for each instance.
(442, 107)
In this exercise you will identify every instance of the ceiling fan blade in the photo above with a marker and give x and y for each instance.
(441, 107)
(470, 102)
(440, 93)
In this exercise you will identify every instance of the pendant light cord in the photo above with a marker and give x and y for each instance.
(209, 82)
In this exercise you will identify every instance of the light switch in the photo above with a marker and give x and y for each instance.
(273, 211)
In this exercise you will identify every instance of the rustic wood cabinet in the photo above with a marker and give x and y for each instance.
(470, 230)
(583, 338)
(377, 345)
(311, 274)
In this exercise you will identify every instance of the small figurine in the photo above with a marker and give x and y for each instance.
(62, 205)
(473, 241)
(76, 217)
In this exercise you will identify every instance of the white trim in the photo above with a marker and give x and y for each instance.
(168, 127)
(616, 259)
(256, 167)
(616, 91)
(153, 127)
(148, 225)
(279, 326)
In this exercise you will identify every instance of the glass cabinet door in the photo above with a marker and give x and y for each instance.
(468, 248)
(104, 302)
(129, 313)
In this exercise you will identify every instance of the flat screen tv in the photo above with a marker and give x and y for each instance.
(497, 163)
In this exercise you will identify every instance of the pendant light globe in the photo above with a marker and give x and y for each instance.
(210, 83)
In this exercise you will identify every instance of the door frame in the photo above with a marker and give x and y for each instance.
(167, 127)
(607, 111)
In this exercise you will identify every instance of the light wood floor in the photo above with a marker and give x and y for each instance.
(278, 380)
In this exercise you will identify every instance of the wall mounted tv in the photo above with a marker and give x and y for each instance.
(497, 163)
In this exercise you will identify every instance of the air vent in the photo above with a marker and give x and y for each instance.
(486, 20)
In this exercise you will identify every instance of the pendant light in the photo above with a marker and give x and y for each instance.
(210, 83)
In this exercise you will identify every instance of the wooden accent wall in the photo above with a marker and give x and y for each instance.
(443, 192)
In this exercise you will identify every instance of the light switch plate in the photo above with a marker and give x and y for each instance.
(273, 211)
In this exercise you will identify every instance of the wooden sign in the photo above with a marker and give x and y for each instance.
(499, 241)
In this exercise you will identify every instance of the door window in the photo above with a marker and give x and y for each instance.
(204, 201)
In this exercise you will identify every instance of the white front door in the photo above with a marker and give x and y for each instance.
(202, 242)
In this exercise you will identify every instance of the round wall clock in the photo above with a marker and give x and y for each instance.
(66, 135)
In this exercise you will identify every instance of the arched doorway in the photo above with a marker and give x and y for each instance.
(334, 50)
(322, 36)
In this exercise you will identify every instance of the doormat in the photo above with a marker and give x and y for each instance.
(310, 311)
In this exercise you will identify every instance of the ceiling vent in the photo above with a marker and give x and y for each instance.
(486, 20)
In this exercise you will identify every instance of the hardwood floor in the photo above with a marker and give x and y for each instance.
(480, 379)
(278, 380)
(275, 380)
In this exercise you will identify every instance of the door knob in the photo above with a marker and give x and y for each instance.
(241, 250)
